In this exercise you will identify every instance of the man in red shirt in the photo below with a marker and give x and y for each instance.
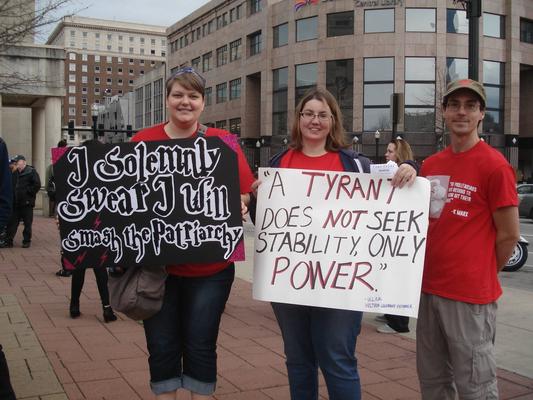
(473, 229)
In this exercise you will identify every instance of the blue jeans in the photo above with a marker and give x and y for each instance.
(182, 337)
(320, 337)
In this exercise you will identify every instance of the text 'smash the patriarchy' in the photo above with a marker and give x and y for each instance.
(149, 202)
(340, 240)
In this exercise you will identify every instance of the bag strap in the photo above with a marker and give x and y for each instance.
(202, 129)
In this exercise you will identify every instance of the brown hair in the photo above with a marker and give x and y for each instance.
(336, 138)
(403, 150)
(188, 78)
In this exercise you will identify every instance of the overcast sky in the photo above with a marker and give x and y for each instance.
(153, 12)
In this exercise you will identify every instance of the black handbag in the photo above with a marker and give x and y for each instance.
(138, 292)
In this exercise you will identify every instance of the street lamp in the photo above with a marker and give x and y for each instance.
(94, 115)
(377, 135)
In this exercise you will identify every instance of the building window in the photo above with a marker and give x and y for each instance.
(84, 57)
(239, 11)
(84, 90)
(235, 126)
(84, 79)
(420, 20)
(72, 67)
(72, 111)
(281, 35)
(494, 25)
(526, 30)
(206, 62)
(109, 81)
(109, 70)
(419, 94)
(222, 55)
(97, 68)
(306, 77)
(72, 56)
(148, 104)
(84, 68)
(96, 80)
(211, 26)
(84, 100)
(255, 6)
(456, 21)
(379, 20)
(72, 89)
(219, 22)
(306, 29)
(96, 90)
(235, 89)
(139, 108)
(120, 70)
(96, 58)
(131, 50)
(195, 63)
(340, 24)
(72, 100)
(339, 81)
(120, 81)
(72, 78)
(97, 35)
(108, 47)
(222, 92)
(280, 101)
(235, 50)
(378, 77)
(254, 41)
(142, 51)
(208, 93)
(456, 68)
(220, 124)
(493, 80)
(152, 42)
(232, 15)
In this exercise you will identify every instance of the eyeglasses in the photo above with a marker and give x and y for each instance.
(187, 70)
(468, 107)
(309, 116)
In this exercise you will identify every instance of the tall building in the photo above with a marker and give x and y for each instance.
(103, 58)
(260, 56)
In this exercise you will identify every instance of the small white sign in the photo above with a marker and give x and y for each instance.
(340, 240)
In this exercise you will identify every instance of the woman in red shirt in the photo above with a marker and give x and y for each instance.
(181, 338)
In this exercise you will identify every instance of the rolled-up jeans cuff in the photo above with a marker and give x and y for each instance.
(168, 385)
(198, 387)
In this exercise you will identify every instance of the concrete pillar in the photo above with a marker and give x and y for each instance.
(37, 140)
(1, 133)
(52, 109)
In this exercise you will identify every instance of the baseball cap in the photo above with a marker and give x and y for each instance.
(18, 158)
(469, 84)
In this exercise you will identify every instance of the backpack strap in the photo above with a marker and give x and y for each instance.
(202, 129)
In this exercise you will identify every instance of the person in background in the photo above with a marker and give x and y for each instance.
(470, 238)
(6, 203)
(26, 185)
(51, 184)
(181, 338)
(399, 151)
(315, 336)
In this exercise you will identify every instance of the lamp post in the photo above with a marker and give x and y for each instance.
(94, 115)
(377, 135)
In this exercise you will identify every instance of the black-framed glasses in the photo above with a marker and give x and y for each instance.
(187, 70)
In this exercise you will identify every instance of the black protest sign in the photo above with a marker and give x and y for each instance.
(148, 203)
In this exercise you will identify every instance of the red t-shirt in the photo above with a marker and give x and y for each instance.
(246, 178)
(330, 161)
(466, 188)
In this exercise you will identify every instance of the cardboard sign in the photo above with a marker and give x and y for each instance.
(150, 203)
(340, 240)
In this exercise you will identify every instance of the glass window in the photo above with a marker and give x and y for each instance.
(306, 77)
(148, 104)
(306, 29)
(139, 108)
(72, 56)
(456, 21)
(235, 126)
(220, 124)
(235, 89)
(222, 55)
(526, 30)
(281, 35)
(456, 68)
(222, 92)
(195, 63)
(235, 50)
(279, 101)
(339, 81)
(378, 88)
(494, 25)
(206, 62)
(493, 80)
(255, 6)
(420, 20)
(419, 94)
(379, 20)
(340, 24)
(208, 93)
(254, 41)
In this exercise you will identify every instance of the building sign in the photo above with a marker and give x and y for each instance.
(299, 4)
(340, 240)
(149, 203)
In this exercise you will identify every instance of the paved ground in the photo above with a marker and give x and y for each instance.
(53, 357)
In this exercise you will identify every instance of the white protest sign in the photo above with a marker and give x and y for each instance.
(340, 240)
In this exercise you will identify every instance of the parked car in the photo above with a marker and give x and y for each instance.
(525, 194)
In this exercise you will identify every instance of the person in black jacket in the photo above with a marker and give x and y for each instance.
(26, 184)
(6, 202)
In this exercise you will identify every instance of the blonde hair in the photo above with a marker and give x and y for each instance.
(403, 150)
(336, 138)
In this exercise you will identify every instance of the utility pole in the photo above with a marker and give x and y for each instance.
(473, 13)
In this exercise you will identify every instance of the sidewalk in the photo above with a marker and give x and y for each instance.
(53, 357)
